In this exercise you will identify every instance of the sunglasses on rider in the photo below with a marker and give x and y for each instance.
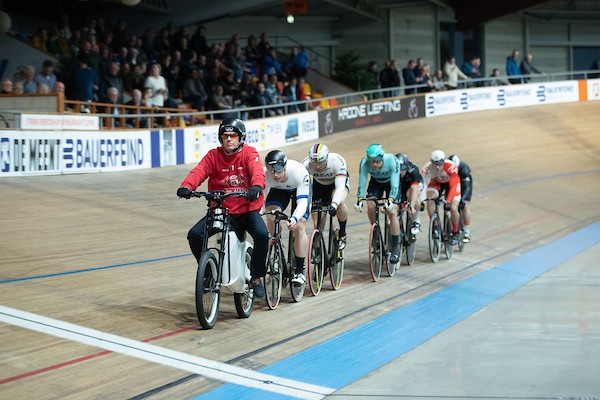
(437, 162)
(275, 168)
(377, 159)
(230, 135)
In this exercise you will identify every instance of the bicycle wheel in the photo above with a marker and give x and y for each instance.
(376, 252)
(461, 233)
(244, 301)
(448, 248)
(315, 262)
(336, 266)
(208, 294)
(435, 238)
(296, 289)
(274, 276)
(391, 268)
(409, 241)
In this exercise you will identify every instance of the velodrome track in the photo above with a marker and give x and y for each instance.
(105, 254)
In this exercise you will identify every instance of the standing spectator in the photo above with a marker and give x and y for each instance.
(426, 79)
(158, 84)
(410, 79)
(263, 45)
(471, 69)
(595, 66)
(29, 84)
(271, 65)
(496, 81)
(527, 68)
(289, 92)
(7, 87)
(390, 78)
(86, 80)
(452, 73)
(419, 69)
(512, 67)
(372, 82)
(135, 78)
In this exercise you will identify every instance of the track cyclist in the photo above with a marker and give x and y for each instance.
(233, 167)
(466, 187)
(289, 180)
(331, 183)
(411, 185)
(442, 176)
(384, 169)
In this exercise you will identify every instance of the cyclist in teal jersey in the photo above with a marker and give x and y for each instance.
(385, 181)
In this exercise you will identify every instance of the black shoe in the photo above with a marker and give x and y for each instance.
(395, 255)
(259, 289)
(454, 240)
(343, 241)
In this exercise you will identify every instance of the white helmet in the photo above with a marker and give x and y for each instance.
(438, 157)
(318, 153)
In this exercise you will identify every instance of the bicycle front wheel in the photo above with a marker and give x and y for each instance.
(391, 268)
(315, 262)
(208, 294)
(376, 252)
(274, 276)
(435, 238)
(461, 233)
(448, 247)
(409, 240)
(244, 301)
(336, 267)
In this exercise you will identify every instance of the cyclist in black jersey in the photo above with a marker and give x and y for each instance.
(466, 184)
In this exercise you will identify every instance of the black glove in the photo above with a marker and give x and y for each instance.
(332, 210)
(184, 192)
(253, 192)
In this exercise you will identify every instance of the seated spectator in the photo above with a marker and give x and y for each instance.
(158, 84)
(29, 84)
(298, 64)
(112, 79)
(275, 94)
(251, 51)
(260, 98)
(271, 65)
(438, 81)
(496, 81)
(46, 75)
(219, 102)
(426, 79)
(112, 95)
(193, 90)
(18, 87)
(137, 100)
(7, 87)
(291, 95)
(43, 89)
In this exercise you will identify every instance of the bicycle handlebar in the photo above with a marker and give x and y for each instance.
(279, 216)
(373, 199)
(218, 195)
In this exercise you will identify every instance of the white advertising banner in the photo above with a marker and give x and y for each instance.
(60, 122)
(593, 89)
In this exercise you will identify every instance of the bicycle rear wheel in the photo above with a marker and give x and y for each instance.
(208, 294)
(409, 240)
(315, 262)
(336, 266)
(376, 252)
(448, 248)
(435, 238)
(274, 276)
(244, 301)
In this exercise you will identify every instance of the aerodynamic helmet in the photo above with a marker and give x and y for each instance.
(276, 161)
(229, 125)
(438, 157)
(318, 153)
(375, 151)
(403, 160)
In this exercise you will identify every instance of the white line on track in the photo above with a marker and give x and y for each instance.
(198, 365)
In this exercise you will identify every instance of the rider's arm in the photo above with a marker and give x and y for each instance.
(257, 171)
(302, 193)
(341, 176)
(454, 183)
(362, 178)
(394, 177)
(201, 171)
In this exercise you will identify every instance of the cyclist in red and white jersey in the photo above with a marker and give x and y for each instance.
(442, 176)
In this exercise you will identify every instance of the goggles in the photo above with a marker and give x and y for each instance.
(230, 135)
(275, 168)
(438, 162)
(375, 159)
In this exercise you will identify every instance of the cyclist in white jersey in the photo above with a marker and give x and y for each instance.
(331, 184)
(289, 180)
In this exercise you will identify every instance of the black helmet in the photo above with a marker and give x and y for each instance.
(233, 125)
(276, 161)
(454, 158)
(403, 160)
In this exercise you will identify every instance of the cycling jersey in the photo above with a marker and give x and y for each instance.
(388, 173)
(231, 173)
(335, 173)
(297, 180)
(438, 179)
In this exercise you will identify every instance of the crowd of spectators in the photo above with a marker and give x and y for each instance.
(166, 67)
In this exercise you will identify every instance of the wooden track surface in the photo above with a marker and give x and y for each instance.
(536, 177)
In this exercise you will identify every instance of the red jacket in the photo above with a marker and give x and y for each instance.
(235, 172)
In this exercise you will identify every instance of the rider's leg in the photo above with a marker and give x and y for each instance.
(467, 216)
(414, 194)
(371, 211)
(195, 238)
(432, 194)
(342, 216)
(395, 233)
(255, 226)
(271, 218)
(300, 245)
